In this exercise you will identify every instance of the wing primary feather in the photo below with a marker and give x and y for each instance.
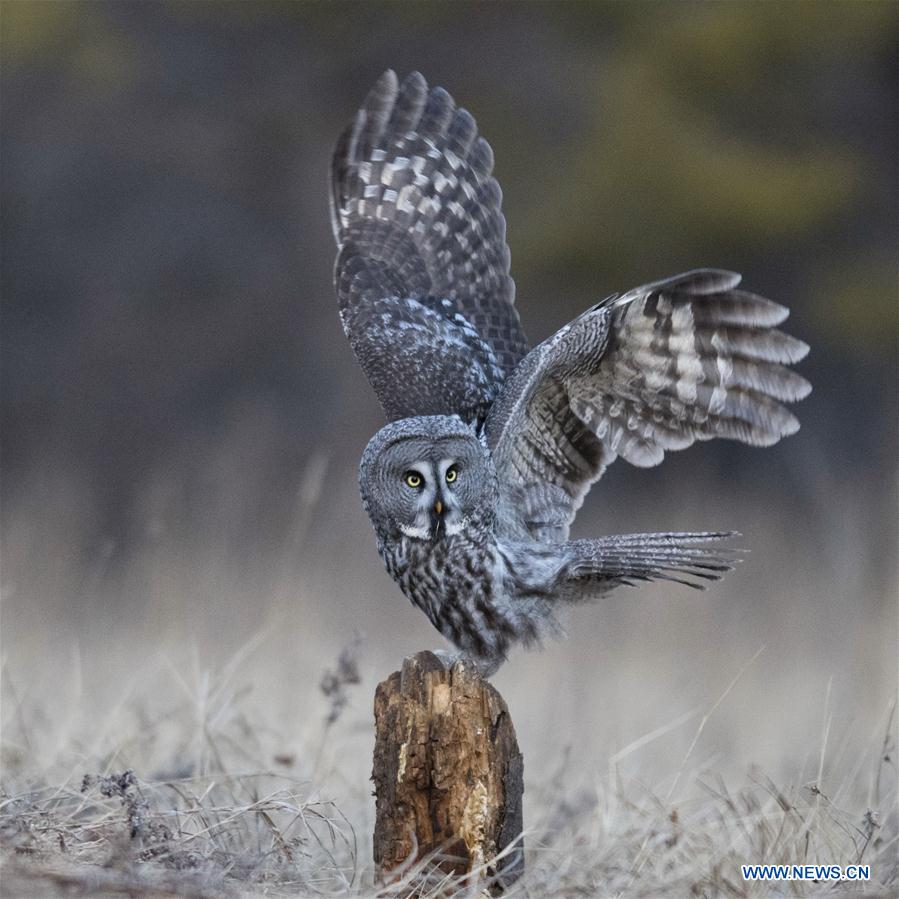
(410, 103)
(417, 218)
(611, 561)
(645, 372)
(372, 118)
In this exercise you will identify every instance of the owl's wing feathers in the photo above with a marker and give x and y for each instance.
(416, 214)
(602, 564)
(685, 359)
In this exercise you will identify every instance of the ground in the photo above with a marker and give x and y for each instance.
(199, 797)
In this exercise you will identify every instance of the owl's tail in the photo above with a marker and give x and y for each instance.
(607, 562)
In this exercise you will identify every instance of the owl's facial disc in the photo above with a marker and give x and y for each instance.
(436, 511)
(428, 483)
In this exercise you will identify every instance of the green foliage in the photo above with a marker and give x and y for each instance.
(30, 31)
(691, 133)
(706, 143)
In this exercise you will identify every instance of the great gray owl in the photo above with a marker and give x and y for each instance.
(491, 445)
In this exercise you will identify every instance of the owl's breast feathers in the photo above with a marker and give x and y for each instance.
(464, 584)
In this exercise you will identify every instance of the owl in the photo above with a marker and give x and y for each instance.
(492, 445)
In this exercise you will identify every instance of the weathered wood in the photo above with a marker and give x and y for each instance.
(447, 772)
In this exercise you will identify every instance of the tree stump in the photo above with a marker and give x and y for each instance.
(447, 773)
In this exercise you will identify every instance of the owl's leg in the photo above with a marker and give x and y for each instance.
(485, 666)
(447, 658)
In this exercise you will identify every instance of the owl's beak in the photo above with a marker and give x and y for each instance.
(437, 524)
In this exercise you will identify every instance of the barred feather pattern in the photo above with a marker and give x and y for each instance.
(650, 371)
(417, 217)
(472, 486)
(486, 595)
(484, 590)
(610, 562)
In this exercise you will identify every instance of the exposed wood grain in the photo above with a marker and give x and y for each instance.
(447, 773)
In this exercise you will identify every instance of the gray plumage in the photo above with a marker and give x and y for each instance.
(491, 447)
(422, 275)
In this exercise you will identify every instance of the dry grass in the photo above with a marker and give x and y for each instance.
(137, 764)
(221, 812)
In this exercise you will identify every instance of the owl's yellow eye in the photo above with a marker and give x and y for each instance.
(451, 474)
(412, 479)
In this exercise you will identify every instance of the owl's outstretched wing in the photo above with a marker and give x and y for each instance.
(688, 358)
(422, 272)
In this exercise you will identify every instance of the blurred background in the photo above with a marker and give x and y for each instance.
(183, 418)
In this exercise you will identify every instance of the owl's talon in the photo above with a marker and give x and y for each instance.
(484, 667)
(447, 658)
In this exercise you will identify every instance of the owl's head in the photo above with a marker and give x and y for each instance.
(426, 478)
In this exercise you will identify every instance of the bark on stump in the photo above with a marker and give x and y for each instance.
(447, 773)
